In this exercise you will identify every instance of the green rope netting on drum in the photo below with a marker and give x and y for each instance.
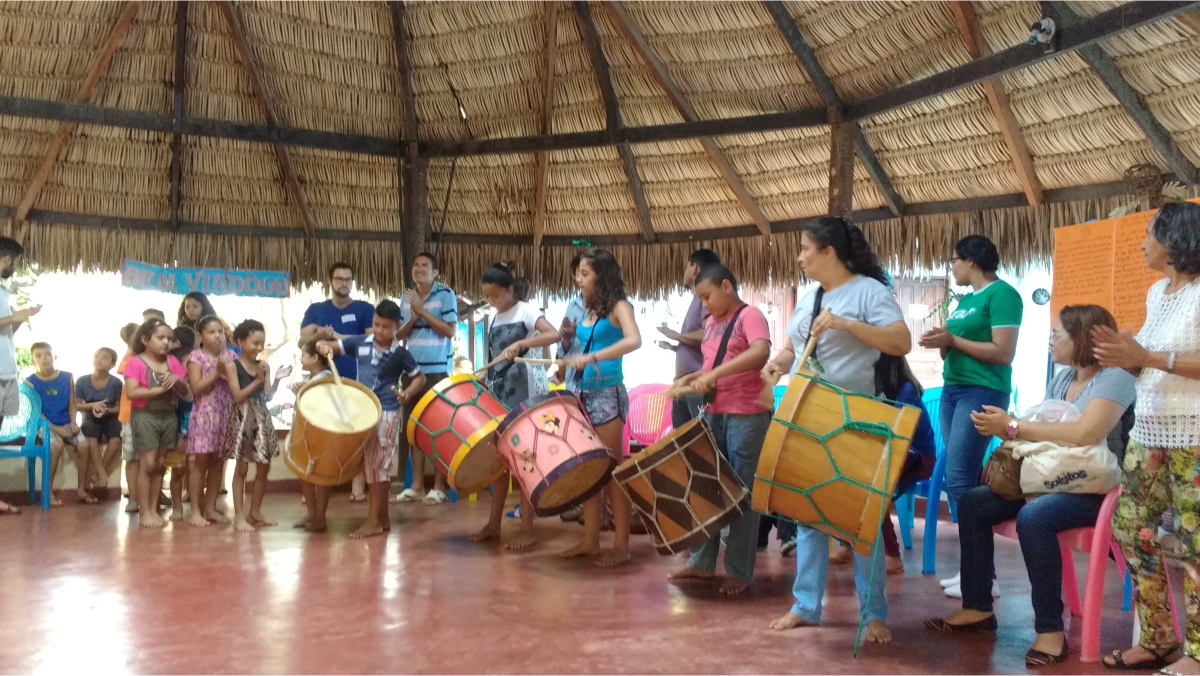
(473, 401)
(848, 425)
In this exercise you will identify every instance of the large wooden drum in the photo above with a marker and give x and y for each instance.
(553, 452)
(683, 488)
(454, 424)
(324, 448)
(832, 458)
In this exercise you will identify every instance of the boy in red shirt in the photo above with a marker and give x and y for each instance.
(737, 343)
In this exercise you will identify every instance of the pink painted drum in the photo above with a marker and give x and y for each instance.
(553, 452)
(453, 424)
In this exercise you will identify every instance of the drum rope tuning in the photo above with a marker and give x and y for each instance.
(473, 401)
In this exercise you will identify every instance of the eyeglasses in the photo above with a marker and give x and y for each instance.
(954, 259)
(343, 279)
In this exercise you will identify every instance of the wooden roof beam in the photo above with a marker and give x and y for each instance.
(1106, 69)
(829, 96)
(410, 169)
(612, 112)
(993, 89)
(270, 112)
(1191, 20)
(180, 87)
(541, 179)
(675, 94)
(59, 141)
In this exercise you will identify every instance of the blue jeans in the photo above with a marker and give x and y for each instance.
(740, 439)
(1039, 521)
(965, 447)
(812, 572)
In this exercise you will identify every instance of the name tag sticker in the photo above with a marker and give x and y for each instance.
(346, 319)
(364, 351)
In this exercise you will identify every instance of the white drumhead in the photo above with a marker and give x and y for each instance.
(316, 404)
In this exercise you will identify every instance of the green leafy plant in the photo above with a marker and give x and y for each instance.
(24, 358)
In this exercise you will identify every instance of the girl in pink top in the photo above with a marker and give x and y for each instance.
(153, 380)
(207, 372)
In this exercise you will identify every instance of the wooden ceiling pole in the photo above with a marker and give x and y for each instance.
(59, 141)
(1106, 69)
(841, 165)
(412, 169)
(829, 95)
(541, 181)
(993, 89)
(675, 94)
(180, 87)
(612, 113)
(270, 112)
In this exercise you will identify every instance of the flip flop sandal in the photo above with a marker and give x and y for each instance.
(9, 509)
(435, 498)
(407, 495)
(1037, 658)
(1119, 664)
(986, 624)
(358, 498)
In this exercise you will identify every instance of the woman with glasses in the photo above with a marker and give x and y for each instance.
(1104, 397)
(978, 344)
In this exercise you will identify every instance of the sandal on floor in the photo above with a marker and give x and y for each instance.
(1159, 661)
(407, 495)
(9, 509)
(986, 624)
(435, 497)
(1037, 658)
(358, 498)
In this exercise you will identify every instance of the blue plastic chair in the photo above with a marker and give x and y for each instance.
(19, 439)
(779, 391)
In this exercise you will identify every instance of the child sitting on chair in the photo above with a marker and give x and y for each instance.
(99, 397)
(56, 389)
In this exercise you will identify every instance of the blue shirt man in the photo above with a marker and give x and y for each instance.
(429, 346)
(338, 317)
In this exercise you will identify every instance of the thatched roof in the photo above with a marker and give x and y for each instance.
(944, 162)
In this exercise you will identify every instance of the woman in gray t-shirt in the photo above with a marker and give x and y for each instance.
(1105, 398)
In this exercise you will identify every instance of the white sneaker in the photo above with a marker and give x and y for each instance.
(955, 592)
(951, 581)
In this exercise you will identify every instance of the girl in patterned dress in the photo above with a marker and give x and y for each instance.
(516, 329)
(207, 373)
(250, 437)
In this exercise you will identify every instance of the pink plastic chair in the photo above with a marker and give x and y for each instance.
(649, 415)
(1097, 542)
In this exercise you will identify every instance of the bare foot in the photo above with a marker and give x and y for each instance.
(732, 587)
(614, 558)
(688, 573)
(85, 498)
(260, 521)
(216, 516)
(524, 540)
(197, 520)
(316, 526)
(243, 526)
(789, 621)
(581, 549)
(302, 523)
(489, 531)
(148, 519)
(1184, 665)
(368, 530)
(177, 514)
(877, 632)
(54, 501)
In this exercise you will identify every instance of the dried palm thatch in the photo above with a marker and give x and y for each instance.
(478, 72)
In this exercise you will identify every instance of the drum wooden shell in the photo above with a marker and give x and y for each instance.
(683, 488)
(791, 458)
(454, 424)
(319, 448)
(554, 454)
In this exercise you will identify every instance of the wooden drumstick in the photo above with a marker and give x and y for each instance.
(537, 362)
(337, 402)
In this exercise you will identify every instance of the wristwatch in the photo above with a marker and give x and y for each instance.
(1013, 428)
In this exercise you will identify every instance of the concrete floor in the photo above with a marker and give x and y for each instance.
(83, 590)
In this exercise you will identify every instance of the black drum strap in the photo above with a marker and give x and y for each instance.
(711, 396)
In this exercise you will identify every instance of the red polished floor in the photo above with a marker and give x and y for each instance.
(82, 590)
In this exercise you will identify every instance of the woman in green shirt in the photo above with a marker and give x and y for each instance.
(978, 344)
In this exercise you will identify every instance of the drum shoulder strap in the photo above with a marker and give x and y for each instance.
(711, 396)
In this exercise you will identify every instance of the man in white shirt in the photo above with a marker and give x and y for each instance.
(10, 393)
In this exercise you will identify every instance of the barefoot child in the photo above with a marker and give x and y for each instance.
(516, 328)
(251, 435)
(207, 373)
(56, 389)
(153, 380)
(101, 429)
(606, 334)
(316, 497)
(736, 345)
(181, 347)
(373, 352)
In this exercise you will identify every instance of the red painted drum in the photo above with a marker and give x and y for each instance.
(454, 424)
(553, 452)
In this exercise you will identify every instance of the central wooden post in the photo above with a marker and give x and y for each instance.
(841, 166)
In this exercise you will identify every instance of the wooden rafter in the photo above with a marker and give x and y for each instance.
(658, 69)
(1191, 20)
(541, 180)
(829, 96)
(612, 112)
(59, 141)
(993, 89)
(1106, 69)
(410, 167)
(180, 87)
(270, 112)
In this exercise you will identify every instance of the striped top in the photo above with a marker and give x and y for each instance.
(432, 350)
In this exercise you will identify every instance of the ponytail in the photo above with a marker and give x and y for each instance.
(850, 245)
